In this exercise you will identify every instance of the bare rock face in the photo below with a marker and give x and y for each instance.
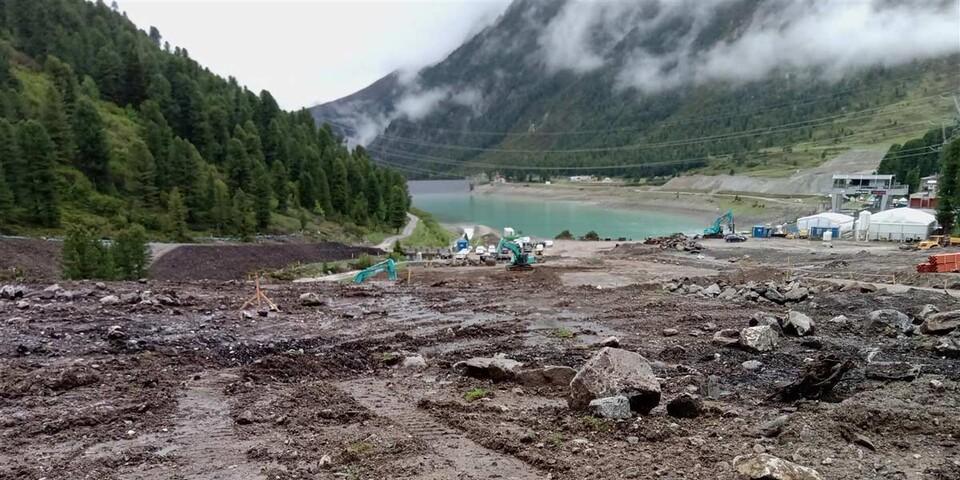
(495, 368)
(613, 372)
(759, 339)
(616, 408)
(941, 323)
(767, 467)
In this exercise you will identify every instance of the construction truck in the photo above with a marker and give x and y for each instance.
(716, 229)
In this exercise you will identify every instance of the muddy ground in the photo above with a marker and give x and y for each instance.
(172, 382)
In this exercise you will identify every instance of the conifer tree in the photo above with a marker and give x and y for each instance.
(12, 162)
(322, 192)
(397, 213)
(222, 207)
(40, 183)
(55, 120)
(81, 253)
(93, 155)
(245, 221)
(177, 216)
(339, 189)
(144, 182)
(6, 196)
(281, 187)
(262, 196)
(130, 253)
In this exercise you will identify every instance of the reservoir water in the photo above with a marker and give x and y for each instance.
(452, 202)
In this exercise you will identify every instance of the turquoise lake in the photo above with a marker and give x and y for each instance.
(451, 202)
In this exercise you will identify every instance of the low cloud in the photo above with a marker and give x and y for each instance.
(653, 46)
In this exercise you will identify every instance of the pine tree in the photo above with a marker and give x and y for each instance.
(262, 196)
(222, 207)
(12, 162)
(80, 253)
(6, 196)
(245, 222)
(307, 191)
(93, 155)
(109, 74)
(64, 78)
(358, 209)
(339, 188)
(40, 183)
(177, 215)
(144, 182)
(322, 192)
(130, 253)
(949, 187)
(55, 120)
(397, 211)
(281, 185)
(239, 166)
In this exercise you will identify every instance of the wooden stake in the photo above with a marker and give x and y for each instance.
(259, 297)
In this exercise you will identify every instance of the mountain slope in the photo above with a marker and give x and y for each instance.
(568, 87)
(102, 124)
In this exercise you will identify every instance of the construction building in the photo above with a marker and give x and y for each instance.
(880, 187)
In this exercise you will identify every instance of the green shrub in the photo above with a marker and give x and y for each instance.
(476, 394)
(565, 235)
(592, 236)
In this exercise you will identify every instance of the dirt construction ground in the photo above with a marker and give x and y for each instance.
(167, 380)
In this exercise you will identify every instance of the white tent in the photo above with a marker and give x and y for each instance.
(826, 220)
(900, 224)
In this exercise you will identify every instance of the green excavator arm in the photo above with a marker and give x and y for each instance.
(387, 265)
(520, 259)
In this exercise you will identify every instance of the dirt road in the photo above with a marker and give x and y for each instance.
(412, 221)
(169, 380)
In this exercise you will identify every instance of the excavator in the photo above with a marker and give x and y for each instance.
(716, 230)
(520, 260)
(387, 265)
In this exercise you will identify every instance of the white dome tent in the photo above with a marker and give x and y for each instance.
(901, 224)
(826, 220)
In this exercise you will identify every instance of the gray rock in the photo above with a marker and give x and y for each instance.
(760, 318)
(774, 296)
(53, 288)
(114, 332)
(13, 292)
(616, 407)
(670, 332)
(759, 339)
(797, 294)
(941, 323)
(840, 320)
(415, 363)
(774, 427)
(927, 310)
(496, 368)
(548, 375)
(712, 290)
(23, 304)
(764, 466)
(609, 342)
(727, 337)
(685, 406)
(798, 324)
(611, 372)
(728, 293)
(100, 286)
(670, 286)
(693, 288)
(892, 371)
(888, 321)
(948, 347)
(752, 365)
(130, 298)
(246, 418)
(110, 300)
(310, 299)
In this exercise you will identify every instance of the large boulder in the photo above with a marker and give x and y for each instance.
(774, 296)
(767, 467)
(797, 294)
(941, 323)
(547, 375)
(495, 368)
(13, 292)
(762, 338)
(713, 290)
(613, 372)
(948, 347)
(798, 324)
(888, 321)
(685, 406)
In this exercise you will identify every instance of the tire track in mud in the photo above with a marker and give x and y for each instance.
(464, 457)
(202, 440)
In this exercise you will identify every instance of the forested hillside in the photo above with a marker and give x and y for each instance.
(649, 88)
(105, 125)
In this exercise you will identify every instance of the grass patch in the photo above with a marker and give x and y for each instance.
(596, 424)
(563, 333)
(359, 448)
(428, 233)
(476, 394)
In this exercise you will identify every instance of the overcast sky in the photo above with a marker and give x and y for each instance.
(311, 51)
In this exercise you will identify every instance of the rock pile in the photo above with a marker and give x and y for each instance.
(773, 292)
(677, 241)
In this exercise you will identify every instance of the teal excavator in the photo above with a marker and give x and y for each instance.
(387, 265)
(716, 230)
(520, 261)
